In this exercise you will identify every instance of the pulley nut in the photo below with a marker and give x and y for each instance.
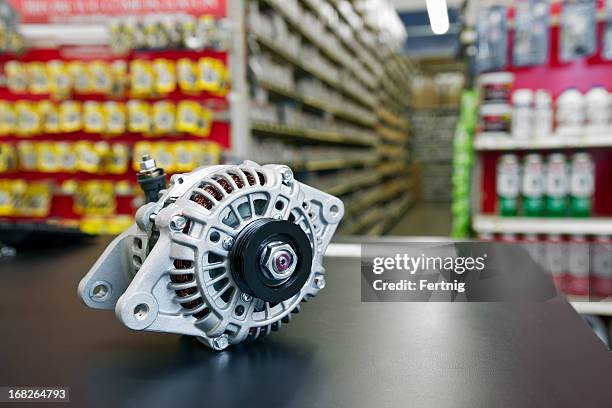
(279, 261)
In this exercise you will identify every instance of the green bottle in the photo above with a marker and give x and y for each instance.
(557, 185)
(533, 185)
(582, 185)
(508, 184)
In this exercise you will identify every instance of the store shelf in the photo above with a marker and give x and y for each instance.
(503, 141)
(321, 45)
(346, 187)
(306, 133)
(331, 164)
(525, 225)
(585, 305)
(318, 103)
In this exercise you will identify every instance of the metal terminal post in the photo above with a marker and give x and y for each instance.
(152, 179)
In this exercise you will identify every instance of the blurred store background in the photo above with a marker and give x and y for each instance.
(499, 129)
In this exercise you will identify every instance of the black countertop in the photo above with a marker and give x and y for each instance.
(338, 352)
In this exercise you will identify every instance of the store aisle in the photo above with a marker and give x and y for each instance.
(427, 219)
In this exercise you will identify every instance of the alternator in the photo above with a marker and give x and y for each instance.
(226, 254)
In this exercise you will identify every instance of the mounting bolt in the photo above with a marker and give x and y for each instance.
(319, 282)
(228, 243)
(278, 216)
(221, 342)
(177, 223)
(287, 174)
(246, 297)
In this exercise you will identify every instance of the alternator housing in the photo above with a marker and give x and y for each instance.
(227, 254)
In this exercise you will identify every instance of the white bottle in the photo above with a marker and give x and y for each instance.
(570, 112)
(598, 107)
(522, 113)
(543, 117)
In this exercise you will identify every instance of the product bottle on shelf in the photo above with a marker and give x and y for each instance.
(533, 185)
(582, 185)
(508, 184)
(601, 255)
(542, 114)
(570, 112)
(578, 265)
(555, 253)
(598, 108)
(556, 185)
(535, 248)
(522, 113)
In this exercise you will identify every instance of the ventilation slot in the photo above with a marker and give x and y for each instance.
(183, 278)
(203, 201)
(186, 278)
(250, 178)
(237, 180)
(202, 314)
(262, 178)
(227, 295)
(260, 206)
(220, 284)
(231, 220)
(212, 190)
(224, 184)
(214, 258)
(187, 227)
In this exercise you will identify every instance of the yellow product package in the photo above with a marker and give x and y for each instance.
(38, 78)
(186, 75)
(8, 119)
(163, 118)
(93, 117)
(100, 77)
(80, 77)
(188, 116)
(139, 120)
(16, 76)
(35, 200)
(211, 154)
(185, 155)
(8, 157)
(211, 75)
(27, 156)
(95, 198)
(49, 160)
(49, 116)
(120, 37)
(67, 157)
(141, 78)
(114, 117)
(70, 116)
(28, 118)
(60, 84)
(88, 159)
(118, 78)
(118, 159)
(165, 77)
(7, 204)
(164, 156)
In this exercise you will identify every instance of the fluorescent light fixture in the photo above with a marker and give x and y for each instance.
(438, 16)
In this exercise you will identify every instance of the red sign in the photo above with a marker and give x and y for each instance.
(81, 11)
